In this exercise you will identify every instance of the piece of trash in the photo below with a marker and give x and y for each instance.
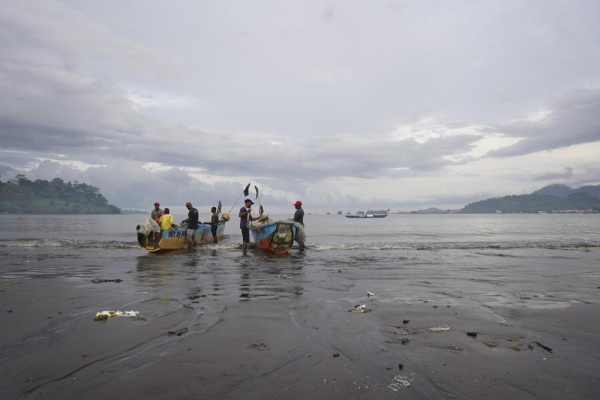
(299, 292)
(473, 334)
(84, 356)
(456, 348)
(548, 349)
(404, 341)
(178, 332)
(406, 321)
(402, 332)
(399, 382)
(514, 338)
(336, 355)
(104, 315)
(98, 280)
(369, 294)
(283, 276)
(259, 346)
(440, 329)
(359, 309)
(492, 344)
(517, 347)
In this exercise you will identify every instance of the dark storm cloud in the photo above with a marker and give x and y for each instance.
(572, 119)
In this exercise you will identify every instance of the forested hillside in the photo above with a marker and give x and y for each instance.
(533, 203)
(22, 196)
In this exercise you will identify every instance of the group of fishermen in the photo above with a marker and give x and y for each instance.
(165, 220)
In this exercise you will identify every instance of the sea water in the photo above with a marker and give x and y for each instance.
(539, 260)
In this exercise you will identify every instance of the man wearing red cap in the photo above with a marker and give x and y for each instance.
(299, 218)
(157, 212)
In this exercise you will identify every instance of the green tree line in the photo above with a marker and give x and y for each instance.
(23, 196)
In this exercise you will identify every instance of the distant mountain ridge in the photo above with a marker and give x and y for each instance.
(559, 190)
(551, 198)
(431, 210)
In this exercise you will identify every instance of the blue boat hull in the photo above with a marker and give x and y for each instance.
(276, 237)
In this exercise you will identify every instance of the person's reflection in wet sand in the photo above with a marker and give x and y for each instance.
(281, 280)
(245, 286)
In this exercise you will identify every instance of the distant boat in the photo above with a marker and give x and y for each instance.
(339, 213)
(366, 216)
(378, 212)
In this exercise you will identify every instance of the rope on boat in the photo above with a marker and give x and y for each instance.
(238, 199)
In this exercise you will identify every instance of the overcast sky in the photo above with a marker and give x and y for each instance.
(342, 104)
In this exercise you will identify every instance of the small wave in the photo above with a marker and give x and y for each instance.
(57, 243)
(83, 244)
(456, 246)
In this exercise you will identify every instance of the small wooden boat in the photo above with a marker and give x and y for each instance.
(175, 238)
(275, 237)
(366, 216)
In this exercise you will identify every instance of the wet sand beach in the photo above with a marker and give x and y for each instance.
(292, 342)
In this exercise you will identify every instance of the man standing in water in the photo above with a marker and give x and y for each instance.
(299, 218)
(244, 216)
(192, 221)
(214, 223)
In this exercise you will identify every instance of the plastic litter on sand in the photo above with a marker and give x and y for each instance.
(400, 382)
(103, 315)
(359, 309)
(440, 329)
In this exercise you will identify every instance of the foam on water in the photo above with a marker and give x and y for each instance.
(115, 244)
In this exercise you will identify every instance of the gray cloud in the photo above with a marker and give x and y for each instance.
(555, 176)
(572, 119)
(128, 185)
(274, 93)
(56, 111)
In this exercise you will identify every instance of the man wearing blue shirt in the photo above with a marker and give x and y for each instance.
(244, 217)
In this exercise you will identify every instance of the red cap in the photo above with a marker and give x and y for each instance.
(157, 204)
(298, 203)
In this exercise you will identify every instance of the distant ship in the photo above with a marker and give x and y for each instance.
(369, 214)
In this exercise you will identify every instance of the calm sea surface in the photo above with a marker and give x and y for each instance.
(537, 260)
